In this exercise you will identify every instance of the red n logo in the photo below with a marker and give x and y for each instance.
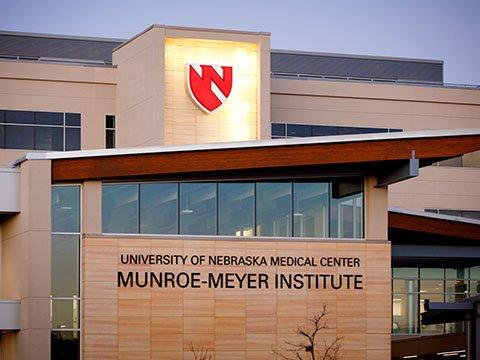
(209, 85)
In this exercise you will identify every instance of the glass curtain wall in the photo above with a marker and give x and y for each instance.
(411, 286)
(280, 209)
(65, 269)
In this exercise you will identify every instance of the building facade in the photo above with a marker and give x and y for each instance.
(192, 189)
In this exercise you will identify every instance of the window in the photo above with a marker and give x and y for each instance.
(282, 130)
(159, 208)
(198, 205)
(411, 286)
(110, 131)
(274, 209)
(281, 208)
(120, 209)
(39, 130)
(310, 213)
(236, 209)
(65, 273)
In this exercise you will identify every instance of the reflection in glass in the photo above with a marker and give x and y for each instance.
(65, 265)
(66, 208)
(19, 137)
(274, 209)
(405, 272)
(65, 314)
(73, 119)
(431, 286)
(405, 313)
(456, 273)
(48, 118)
(236, 209)
(65, 345)
(72, 139)
(158, 208)
(310, 212)
(405, 285)
(198, 208)
(346, 216)
(49, 138)
(431, 273)
(120, 209)
(456, 286)
(436, 328)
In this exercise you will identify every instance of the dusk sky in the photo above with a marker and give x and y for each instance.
(431, 29)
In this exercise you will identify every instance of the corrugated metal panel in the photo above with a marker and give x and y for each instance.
(362, 67)
(56, 47)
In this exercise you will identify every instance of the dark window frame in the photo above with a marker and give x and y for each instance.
(39, 120)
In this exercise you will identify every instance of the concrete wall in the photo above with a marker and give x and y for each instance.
(38, 86)
(26, 249)
(154, 322)
(153, 105)
(405, 107)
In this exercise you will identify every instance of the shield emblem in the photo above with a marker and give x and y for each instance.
(208, 85)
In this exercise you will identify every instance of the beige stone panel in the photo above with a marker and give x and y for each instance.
(260, 342)
(134, 355)
(230, 355)
(378, 341)
(441, 188)
(98, 272)
(99, 241)
(355, 354)
(350, 324)
(166, 343)
(99, 307)
(291, 306)
(199, 294)
(92, 207)
(134, 333)
(103, 254)
(35, 313)
(100, 324)
(230, 307)
(259, 306)
(230, 325)
(164, 325)
(378, 306)
(207, 341)
(133, 307)
(375, 91)
(57, 72)
(378, 354)
(100, 290)
(287, 325)
(133, 293)
(15, 281)
(229, 342)
(353, 306)
(198, 307)
(376, 215)
(100, 342)
(199, 325)
(259, 355)
(379, 325)
(167, 355)
(259, 325)
(104, 355)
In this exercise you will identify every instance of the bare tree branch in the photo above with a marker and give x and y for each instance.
(308, 348)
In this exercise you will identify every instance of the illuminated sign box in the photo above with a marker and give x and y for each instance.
(237, 118)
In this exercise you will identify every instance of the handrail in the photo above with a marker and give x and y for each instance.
(277, 74)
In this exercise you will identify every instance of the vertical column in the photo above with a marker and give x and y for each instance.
(26, 263)
(376, 210)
